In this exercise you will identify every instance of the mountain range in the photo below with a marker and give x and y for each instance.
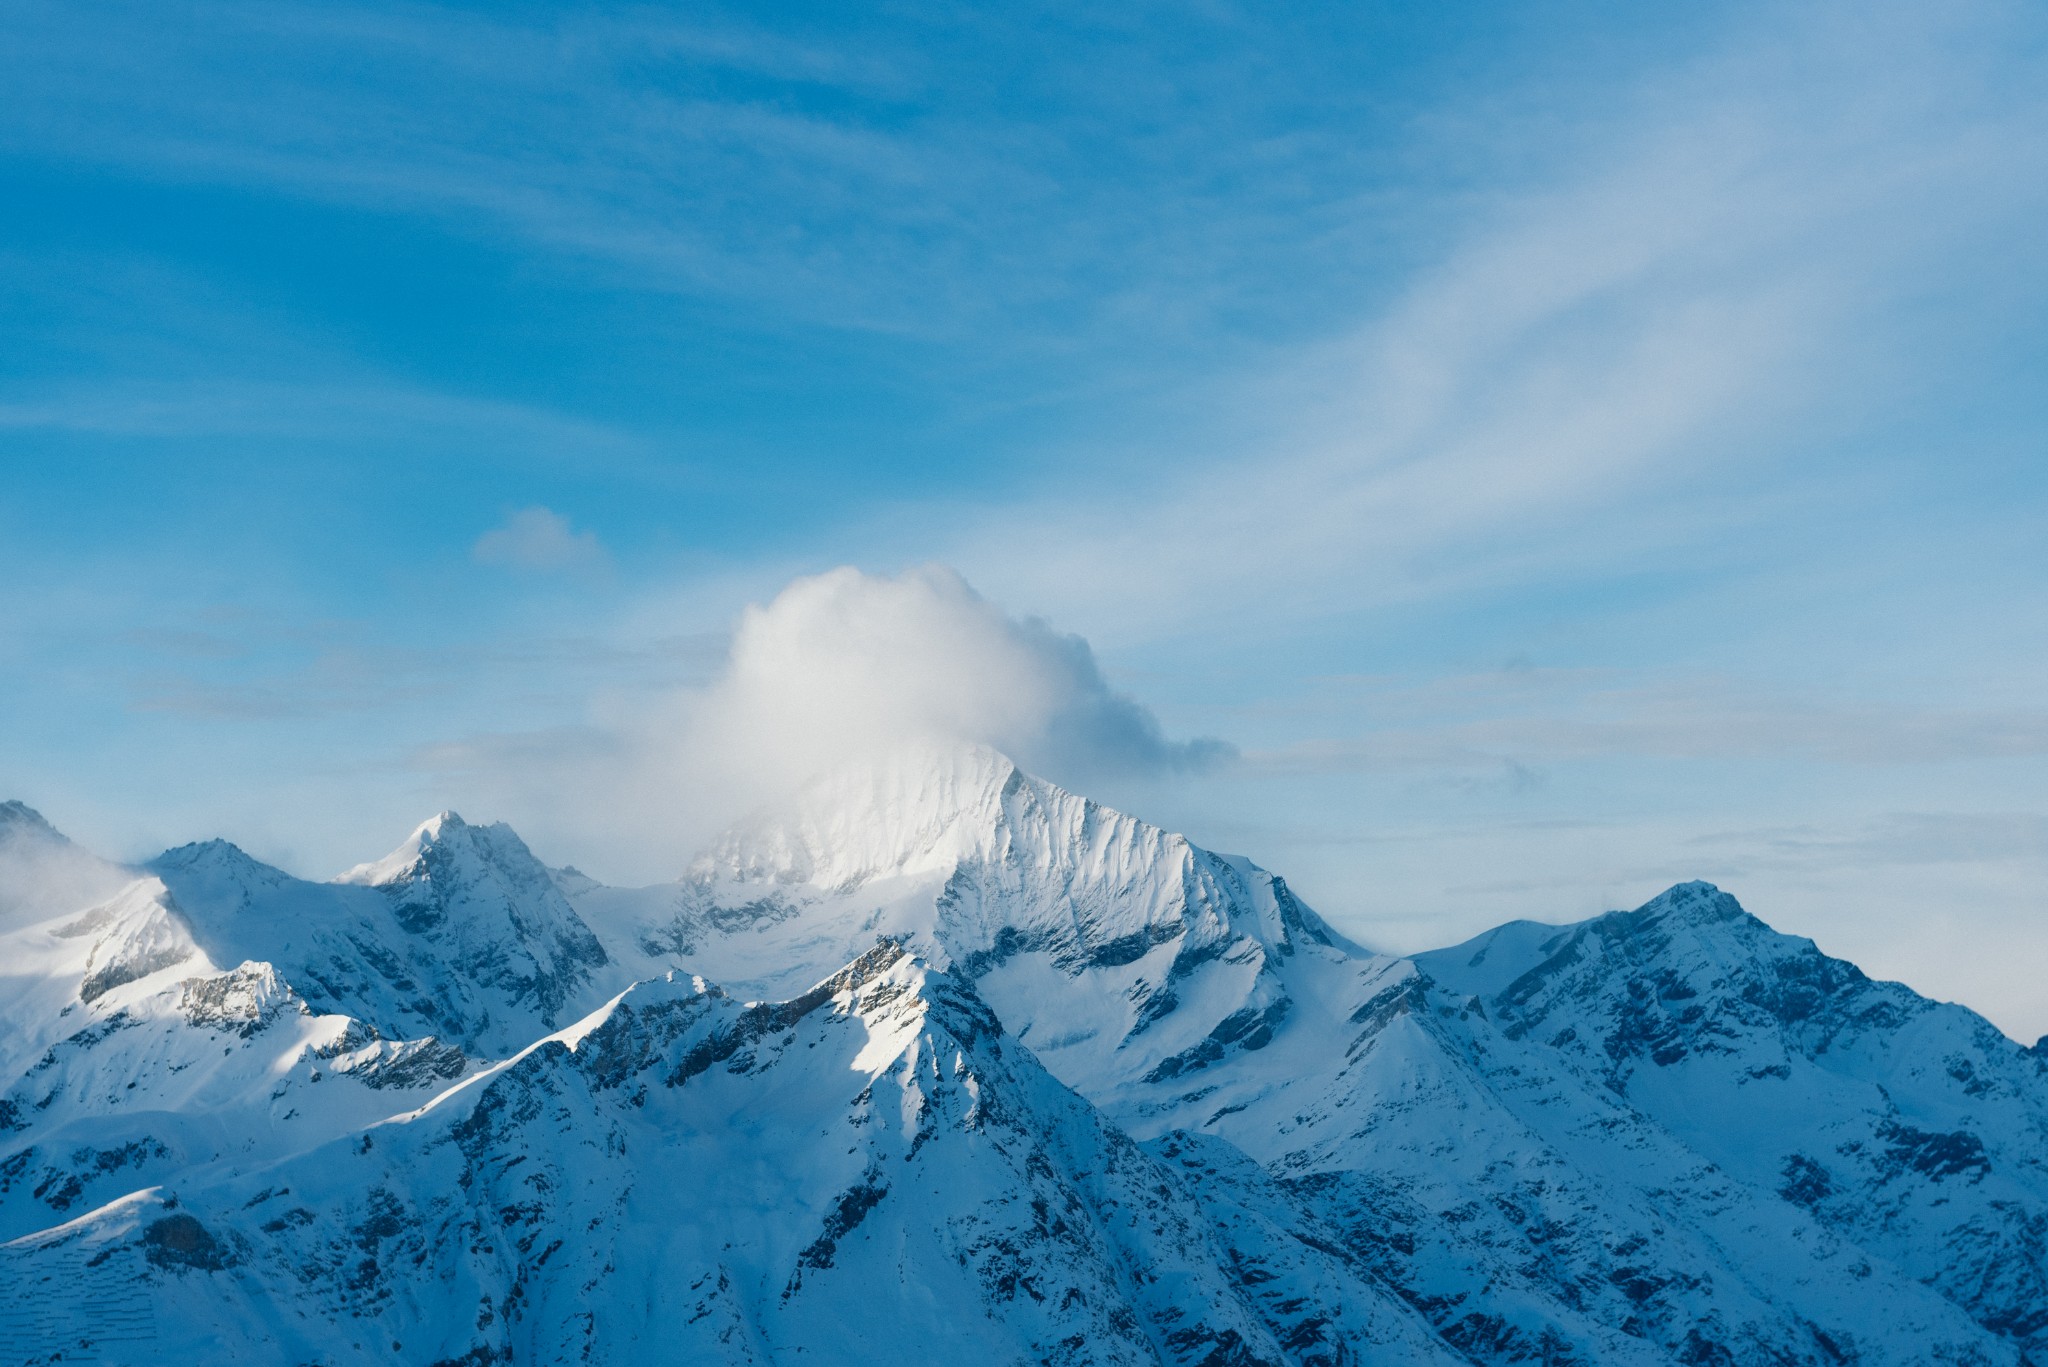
(937, 1060)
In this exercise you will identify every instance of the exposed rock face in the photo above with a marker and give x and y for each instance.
(944, 1061)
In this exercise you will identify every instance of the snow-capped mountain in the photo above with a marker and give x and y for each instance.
(459, 933)
(1911, 1130)
(1117, 951)
(939, 1059)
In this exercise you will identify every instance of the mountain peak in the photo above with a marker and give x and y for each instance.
(492, 909)
(1087, 923)
(920, 810)
(447, 819)
(1695, 903)
(444, 829)
(42, 873)
(218, 855)
(18, 820)
(1695, 913)
(446, 862)
(962, 846)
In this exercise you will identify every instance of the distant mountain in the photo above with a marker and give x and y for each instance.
(42, 874)
(939, 1060)
(460, 933)
(1911, 1130)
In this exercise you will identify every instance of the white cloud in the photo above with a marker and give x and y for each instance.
(538, 539)
(844, 662)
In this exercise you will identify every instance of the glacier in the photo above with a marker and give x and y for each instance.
(938, 1059)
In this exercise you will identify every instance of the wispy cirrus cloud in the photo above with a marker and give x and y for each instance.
(868, 174)
(1653, 336)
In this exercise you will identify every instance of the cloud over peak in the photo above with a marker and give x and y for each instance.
(837, 669)
(845, 661)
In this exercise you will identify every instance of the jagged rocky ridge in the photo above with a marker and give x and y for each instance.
(941, 1059)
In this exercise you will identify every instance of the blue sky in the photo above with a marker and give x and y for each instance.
(1561, 452)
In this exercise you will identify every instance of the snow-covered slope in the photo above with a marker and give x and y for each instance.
(868, 1171)
(216, 1070)
(1067, 1088)
(129, 1054)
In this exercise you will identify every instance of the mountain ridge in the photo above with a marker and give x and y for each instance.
(1544, 1144)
